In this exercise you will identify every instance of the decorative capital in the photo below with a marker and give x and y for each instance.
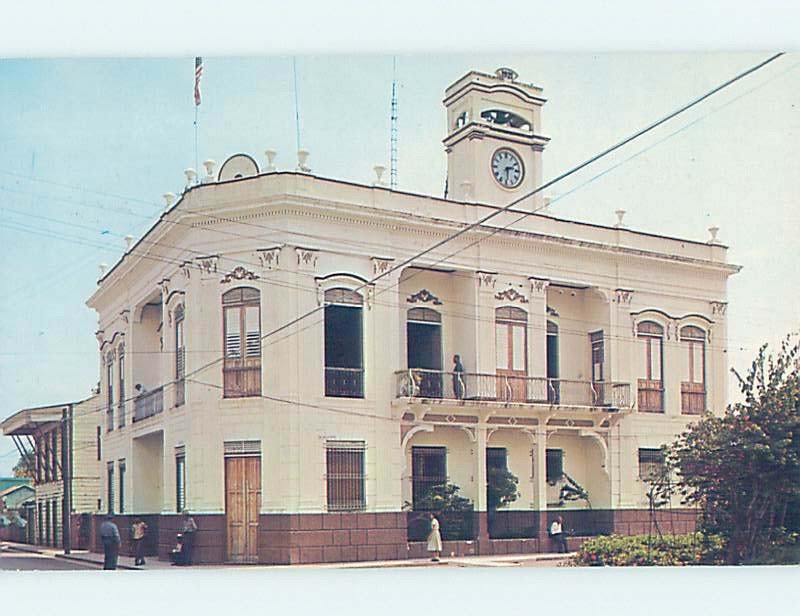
(125, 316)
(164, 285)
(511, 295)
(424, 296)
(269, 258)
(381, 265)
(186, 270)
(719, 308)
(624, 296)
(207, 265)
(100, 335)
(487, 280)
(239, 273)
(539, 285)
(306, 259)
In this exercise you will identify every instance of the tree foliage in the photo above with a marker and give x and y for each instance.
(501, 488)
(743, 469)
(443, 497)
(25, 467)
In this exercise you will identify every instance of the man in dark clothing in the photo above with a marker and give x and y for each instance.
(458, 377)
(109, 535)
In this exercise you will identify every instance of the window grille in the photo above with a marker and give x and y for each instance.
(180, 478)
(242, 448)
(651, 461)
(122, 486)
(428, 470)
(554, 465)
(345, 475)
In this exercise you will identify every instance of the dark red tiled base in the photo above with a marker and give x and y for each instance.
(287, 539)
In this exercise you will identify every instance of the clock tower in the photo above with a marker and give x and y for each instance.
(494, 142)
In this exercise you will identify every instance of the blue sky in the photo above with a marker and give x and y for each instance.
(88, 146)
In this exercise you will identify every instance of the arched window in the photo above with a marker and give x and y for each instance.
(121, 383)
(180, 357)
(241, 309)
(110, 391)
(511, 353)
(344, 343)
(424, 351)
(693, 385)
(651, 368)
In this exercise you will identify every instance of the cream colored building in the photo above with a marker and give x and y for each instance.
(584, 348)
(65, 440)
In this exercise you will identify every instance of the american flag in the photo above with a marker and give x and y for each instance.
(198, 74)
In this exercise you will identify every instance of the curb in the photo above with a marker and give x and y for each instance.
(99, 563)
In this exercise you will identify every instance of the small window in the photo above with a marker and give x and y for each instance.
(122, 486)
(98, 444)
(651, 367)
(110, 487)
(345, 475)
(180, 480)
(651, 462)
(121, 381)
(554, 462)
(180, 358)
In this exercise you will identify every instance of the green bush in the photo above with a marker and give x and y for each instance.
(641, 550)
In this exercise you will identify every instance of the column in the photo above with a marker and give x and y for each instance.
(537, 328)
(480, 492)
(540, 477)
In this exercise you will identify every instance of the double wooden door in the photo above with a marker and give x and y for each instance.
(242, 506)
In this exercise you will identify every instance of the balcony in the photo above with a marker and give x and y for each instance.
(434, 384)
(148, 404)
(344, 382)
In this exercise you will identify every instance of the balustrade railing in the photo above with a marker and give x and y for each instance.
(344, 382)
(419, 383)
(148, 404)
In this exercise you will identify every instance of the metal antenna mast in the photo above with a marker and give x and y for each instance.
(393, 140)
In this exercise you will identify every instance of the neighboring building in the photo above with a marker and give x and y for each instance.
(17, 500)
(584, 349)
(61, 436)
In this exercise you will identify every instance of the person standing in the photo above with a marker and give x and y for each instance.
(458, 377)
(189, 534)
(109, 535)
(434, 539)
(557, 534)
(138, 534)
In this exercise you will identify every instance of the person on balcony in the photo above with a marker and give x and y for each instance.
(458, 377)
(557, 534)
(140, 390)
(434, 539)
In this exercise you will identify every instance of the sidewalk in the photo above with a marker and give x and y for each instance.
(153, 564)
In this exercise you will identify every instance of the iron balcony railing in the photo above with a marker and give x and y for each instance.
(148, 404)
(419, 383)
(344, 382)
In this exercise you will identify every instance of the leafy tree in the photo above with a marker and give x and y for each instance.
(571, 490)
(501, 488)
(442, 497)
(743, 469)
(25, 467)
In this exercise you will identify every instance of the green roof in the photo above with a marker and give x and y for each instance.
(8, 482)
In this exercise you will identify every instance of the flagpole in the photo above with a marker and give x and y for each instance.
(196, 140)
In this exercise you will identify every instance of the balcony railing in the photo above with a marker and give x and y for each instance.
(344, 382)
(148, 404)
(418, 383)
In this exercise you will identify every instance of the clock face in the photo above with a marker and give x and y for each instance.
(507, 168)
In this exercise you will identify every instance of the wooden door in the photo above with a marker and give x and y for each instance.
(511, 339)
(242, 506)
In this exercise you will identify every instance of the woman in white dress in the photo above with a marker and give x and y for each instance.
(435, 539)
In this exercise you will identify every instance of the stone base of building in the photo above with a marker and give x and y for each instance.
(288, 539)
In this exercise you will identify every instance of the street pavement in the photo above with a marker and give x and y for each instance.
(26, 561)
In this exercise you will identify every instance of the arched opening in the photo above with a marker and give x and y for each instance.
(344, 343)
(511, 344)
(424, 350)
(553, 370)
(650, 384)
(693, 384)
